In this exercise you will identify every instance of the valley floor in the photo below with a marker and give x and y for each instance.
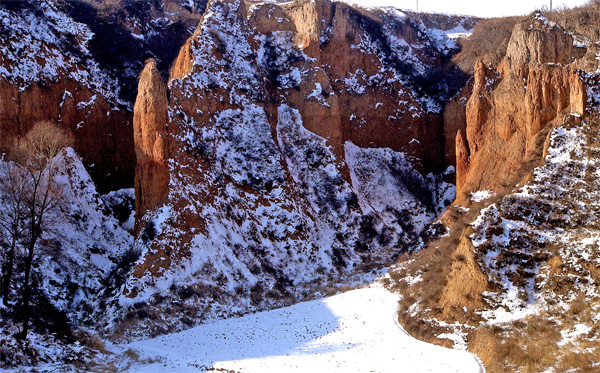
(356, 331)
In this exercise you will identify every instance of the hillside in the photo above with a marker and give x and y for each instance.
(206, 160)
(277, 159)
(516, 275)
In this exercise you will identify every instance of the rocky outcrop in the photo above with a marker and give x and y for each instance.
(150, 134)
(77, 64)
(479, 104)
(102, 130)
(455, 120)
(552, 89)
(510, 106)
(294, 142)
(521, 164)
(538, 41)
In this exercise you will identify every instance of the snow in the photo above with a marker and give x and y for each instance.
(312, 163)
(458, 35)
(90, 240)
(73, 273)
(375, 176)
(122, 197)
(481, 195)
(355, 331)
(569, 336)
(486, 9)
(42, 44)
(552, 215)
(245, 148)
(318, 94)
(352, 83)
(272, 210)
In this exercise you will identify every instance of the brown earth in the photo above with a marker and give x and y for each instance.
(338, 115)
(103, 131)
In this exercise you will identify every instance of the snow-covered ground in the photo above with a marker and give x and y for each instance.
(356, 331)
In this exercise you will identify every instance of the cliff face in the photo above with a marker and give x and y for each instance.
(297, 143)
(77, 63)
(515, 267)
(512, 104)
(510, 117)
(43, 79)
(303, 140)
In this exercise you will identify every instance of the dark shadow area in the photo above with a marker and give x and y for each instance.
(116, 48)
(441, 82)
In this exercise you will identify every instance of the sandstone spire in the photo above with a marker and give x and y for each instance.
(150, 136)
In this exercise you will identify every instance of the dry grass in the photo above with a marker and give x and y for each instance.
(132, 355)
(532, 344)
(579, 362)
(90, 340)
(433, 264)
(528, 345)
(583, 20)
(487, 43)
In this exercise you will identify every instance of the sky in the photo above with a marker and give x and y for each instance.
(481, 8)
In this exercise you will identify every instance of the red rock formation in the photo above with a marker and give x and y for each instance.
(150, 134)
(478, 106)
(507, 110)
(103, 131)
(550, 90)
(538, 41)
(183, 64)
(51, 75)
(263, 102)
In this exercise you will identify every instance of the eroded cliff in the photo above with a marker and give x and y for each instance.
(43, 79)
(150, 135)
(303, 140)
(512, 104)
(514, 265)
(76, 63)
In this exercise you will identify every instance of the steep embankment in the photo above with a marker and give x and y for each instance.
(79, 257)
(76, 63)
(303, 141)
(514, 279)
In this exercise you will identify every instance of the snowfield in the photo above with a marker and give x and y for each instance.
(355, 331)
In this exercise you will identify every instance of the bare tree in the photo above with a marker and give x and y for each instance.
(14, 187)
(37, 152)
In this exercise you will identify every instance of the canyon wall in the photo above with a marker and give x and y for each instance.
(76, 63)
(512, 104)
(302, 141)
(43, 79)
(150, 133)
(515, 266)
